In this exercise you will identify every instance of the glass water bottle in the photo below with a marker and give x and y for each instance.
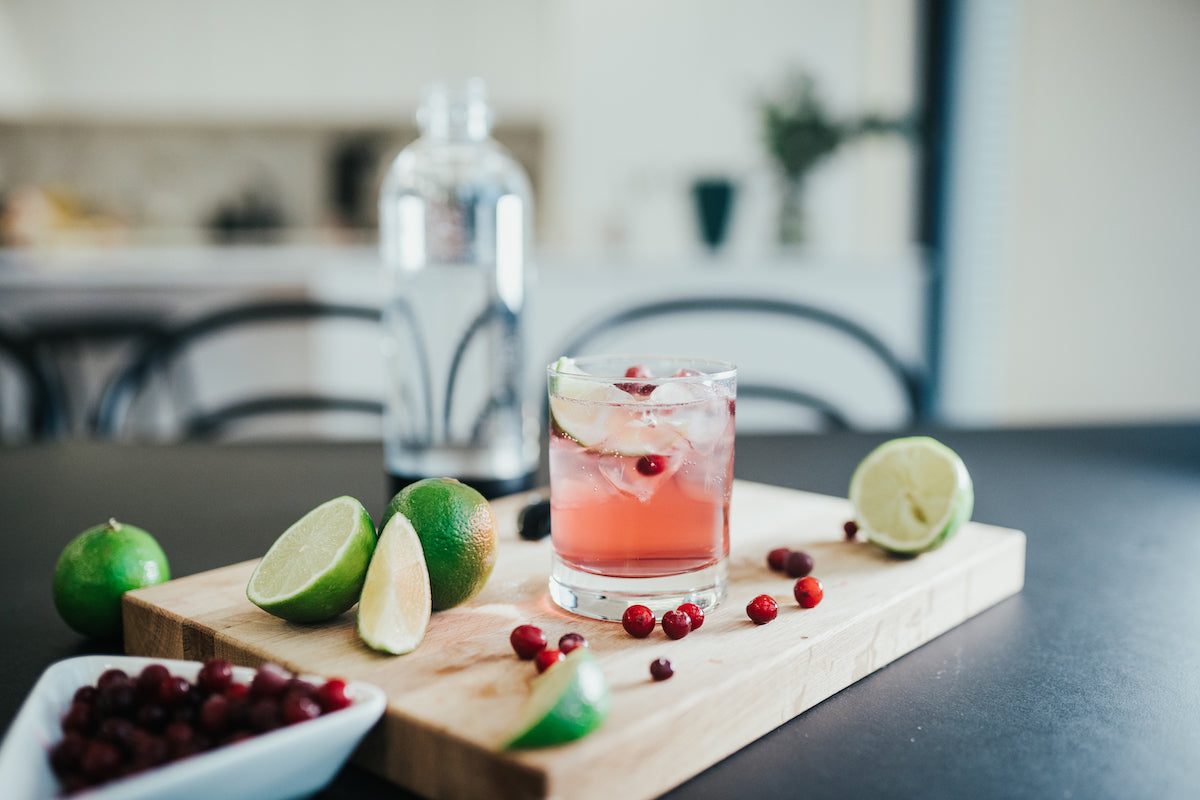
(455, 221)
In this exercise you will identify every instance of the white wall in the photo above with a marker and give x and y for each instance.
(1106, 212)
(636, 98)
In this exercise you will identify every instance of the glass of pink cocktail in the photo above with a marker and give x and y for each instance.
(641, 468)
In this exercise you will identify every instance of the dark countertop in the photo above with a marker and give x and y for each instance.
(1085, 685)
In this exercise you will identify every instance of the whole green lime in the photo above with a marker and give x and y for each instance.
(97, 567)
(457, 532)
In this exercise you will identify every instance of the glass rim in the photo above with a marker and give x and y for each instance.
(723, 370)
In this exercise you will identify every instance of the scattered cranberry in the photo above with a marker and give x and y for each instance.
(661, 669)
(686, 373)
(527, 641)
(545, 659)
(798, 564)
(676, 624)
(776, 557)
(808, 592)
(215, 675)
(571, 641)
(651, 465)
(695, 613)
(332, 695)
(638, 621)
(80, 718)
(762, 609)
(851, 529)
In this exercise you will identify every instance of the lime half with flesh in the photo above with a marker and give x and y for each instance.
(394, 610)
(568, 701)
(911, 495)
(315, 570)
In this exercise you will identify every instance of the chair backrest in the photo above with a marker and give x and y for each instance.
(198, 416)
(788, 354)
(30, 385)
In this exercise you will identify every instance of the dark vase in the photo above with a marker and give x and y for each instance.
(714, 204)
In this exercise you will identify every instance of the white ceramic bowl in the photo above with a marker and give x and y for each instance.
(294, 761)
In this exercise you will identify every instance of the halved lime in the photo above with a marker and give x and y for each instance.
(315, 569)
(568, 701)
(911, 495)
(396, 603)
(598, 414)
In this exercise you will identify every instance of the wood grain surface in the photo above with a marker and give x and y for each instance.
(459, 694)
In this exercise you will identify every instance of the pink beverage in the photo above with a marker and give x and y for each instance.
(641, 468)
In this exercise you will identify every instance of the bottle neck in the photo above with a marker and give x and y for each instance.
(455, 111)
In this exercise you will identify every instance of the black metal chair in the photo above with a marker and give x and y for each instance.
(43, 412)
(721, 313)
(162, 352)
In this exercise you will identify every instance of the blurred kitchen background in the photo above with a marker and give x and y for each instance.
(1008, 199)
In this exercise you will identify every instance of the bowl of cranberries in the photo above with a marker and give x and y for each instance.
(120, 727)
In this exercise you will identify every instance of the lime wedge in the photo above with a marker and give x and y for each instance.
(568, 701)
(394, 610)
(315, 569)
(601, 416)
(911, 495)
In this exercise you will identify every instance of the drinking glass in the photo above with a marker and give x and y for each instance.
(641, 469)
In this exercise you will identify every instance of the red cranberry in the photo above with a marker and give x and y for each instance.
(66, 755)
(762, 609)
(269, 681)
(263, 716)
(111, 677)
(215, 675)
(100, 760)
(214, 714)
(173, 691)
(637, 371)
(638, 621)
(298, 707)
(571, 641)
(651, 465)
(776, 557)
(676, 624)
(527, 641)
(150, 679)
(81, 718)
(237, 691)
(661, 669)
(332, 695)
(798, 564)
(686, 372)
(808, 592)
(85, 694)
(695, 613)
(851, 529)
(151, 716)
(545, 659)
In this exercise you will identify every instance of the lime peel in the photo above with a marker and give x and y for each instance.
(911, 495)
(567, 702)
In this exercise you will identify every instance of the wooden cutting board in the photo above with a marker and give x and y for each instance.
(452, 700)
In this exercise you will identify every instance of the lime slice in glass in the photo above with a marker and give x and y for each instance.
(911, 495)
(315, 569)
(601, 416)
(568, 701)
(394, 610)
